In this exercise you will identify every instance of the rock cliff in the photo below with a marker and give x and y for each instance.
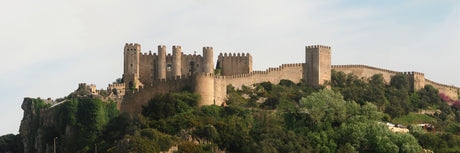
(35, 120)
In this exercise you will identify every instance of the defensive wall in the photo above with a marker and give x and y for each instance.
(163, 65)
(148, 75)
(291, 72)
(200, 82)
(417, 80)
(450, 91)
(234, 63)
(365, 72)
(212, 88)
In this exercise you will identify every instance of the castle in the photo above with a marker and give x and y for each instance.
(146, 74)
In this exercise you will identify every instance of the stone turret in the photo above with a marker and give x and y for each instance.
(177, 61)
(231, 65)
(131, 63)
(161, 65)
(317, 69)
(208, 63)
(204, 85)
(416, 80)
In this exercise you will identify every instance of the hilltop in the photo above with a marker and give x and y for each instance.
(182, 103)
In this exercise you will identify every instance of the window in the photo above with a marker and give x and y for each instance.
(192, 69)
(169, 67)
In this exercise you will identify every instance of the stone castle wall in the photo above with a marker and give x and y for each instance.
(200, 82)
(417, 80)
(152, 66)
(291, 72)
(213, 89)
(450, 91)
(135, 99)
(237, 71)
(236, 63)
(365, 72)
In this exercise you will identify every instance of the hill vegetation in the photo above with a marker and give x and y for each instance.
(264, 117)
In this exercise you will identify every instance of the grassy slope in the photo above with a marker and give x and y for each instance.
(413, 118)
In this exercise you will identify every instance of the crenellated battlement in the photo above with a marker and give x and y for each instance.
(162, 72)
(132, 47)
(266, 72)
(317, 46)
(224, 55)
(207, 48)
(364, 66)
(413, 73)
(116, 85)
(441, 85)
(375, 68)
(175, 47)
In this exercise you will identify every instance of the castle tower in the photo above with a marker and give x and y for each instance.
(317, 68)
(231, 65)
(208, 63)
(131, 63)
(203, 84)
(416, 80)
(177, 61)
(161, 65)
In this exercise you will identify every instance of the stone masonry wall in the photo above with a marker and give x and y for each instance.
(231, 64)
(450, 91)
(134, 100)
(291, 72)
(416, 79)
(364, 71)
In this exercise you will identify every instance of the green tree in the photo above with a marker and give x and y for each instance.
(325, 108)
(376, 90)
(11, 143)
(399, 81)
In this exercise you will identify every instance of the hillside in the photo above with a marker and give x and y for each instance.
(264, 117)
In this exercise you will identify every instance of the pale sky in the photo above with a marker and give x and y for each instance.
(50, 46)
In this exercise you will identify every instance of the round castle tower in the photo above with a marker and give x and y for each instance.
(177, 61)
(208, 63)
(204, 85)
(161, 65)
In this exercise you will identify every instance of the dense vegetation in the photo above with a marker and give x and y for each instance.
(264, 117)
(11, 143)
(402, 105)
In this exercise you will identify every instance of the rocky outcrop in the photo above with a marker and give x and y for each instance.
(34, 122)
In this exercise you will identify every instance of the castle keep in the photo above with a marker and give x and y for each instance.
(146, 74)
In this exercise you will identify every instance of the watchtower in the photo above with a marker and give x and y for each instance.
(131, 65)
(317, 68)
(177, 61)
(161, 65)
(208, 63)
(416, 80)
